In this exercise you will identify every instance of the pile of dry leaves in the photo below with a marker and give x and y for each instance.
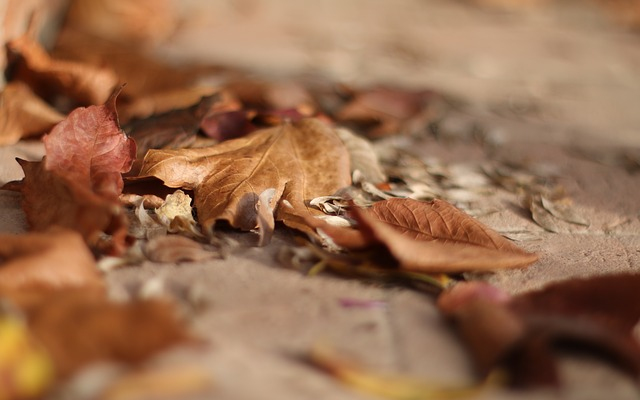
(187, 161)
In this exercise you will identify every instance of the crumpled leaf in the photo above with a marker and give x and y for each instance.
(548, 212)
(26, 369)
(78, 182)
(520, 333)
(430, 237)
(176, 214)
(54, 259)
(23, 114)
(48, 76)
(301, 160)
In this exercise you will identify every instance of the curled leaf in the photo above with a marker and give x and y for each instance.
(430, 237)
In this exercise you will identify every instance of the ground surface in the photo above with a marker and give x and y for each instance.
(539, 84)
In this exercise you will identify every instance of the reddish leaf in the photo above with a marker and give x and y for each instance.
(52, 200)
(89, 147)
(77, 184)
(383, 111)
(430, 237)
(596, 314)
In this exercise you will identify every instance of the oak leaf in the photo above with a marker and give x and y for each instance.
(301, 160)
(521, 333)
(23, 114)
(48, 76)
(430, 236)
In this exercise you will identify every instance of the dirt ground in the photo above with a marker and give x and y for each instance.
(556, 87)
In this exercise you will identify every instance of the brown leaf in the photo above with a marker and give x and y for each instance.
(23, 114)
(55, 259)
(79, 327)
(52, 200)
(172, 129)
(384, 111)
(174, 249)
(596, 315)
(430, 237)
(48, 77)
(301, 160)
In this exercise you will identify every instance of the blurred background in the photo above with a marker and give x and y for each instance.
(570, 65)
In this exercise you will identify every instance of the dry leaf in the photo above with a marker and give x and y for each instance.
(176, 214)
(174, 249)
(172, 129)
(563, 211)
(54, 259)
(78, 183)
(596, 314)
(26, 369)
(79, 327)
(384, 111)
(363, 157)
(301, 160)
(430, 237)
(49, 77)
(266, 222)
(89, 147)
(51, 200)
(386, 386)
(23, 114)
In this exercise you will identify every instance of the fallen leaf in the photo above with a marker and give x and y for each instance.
(382, 111)
(388, 386)
(51, 200)
(26, 369)
(23, 114)
(266, 222)
(55, 259)
(48, 77)
(176, 214)
(301, 160)
(78, 182)
(142, 107)
(175, 248)
(363, 157)
(564, 211)
(79, 327)
(521, 333)
(172, 129)
(90, 148)
(429, 236)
